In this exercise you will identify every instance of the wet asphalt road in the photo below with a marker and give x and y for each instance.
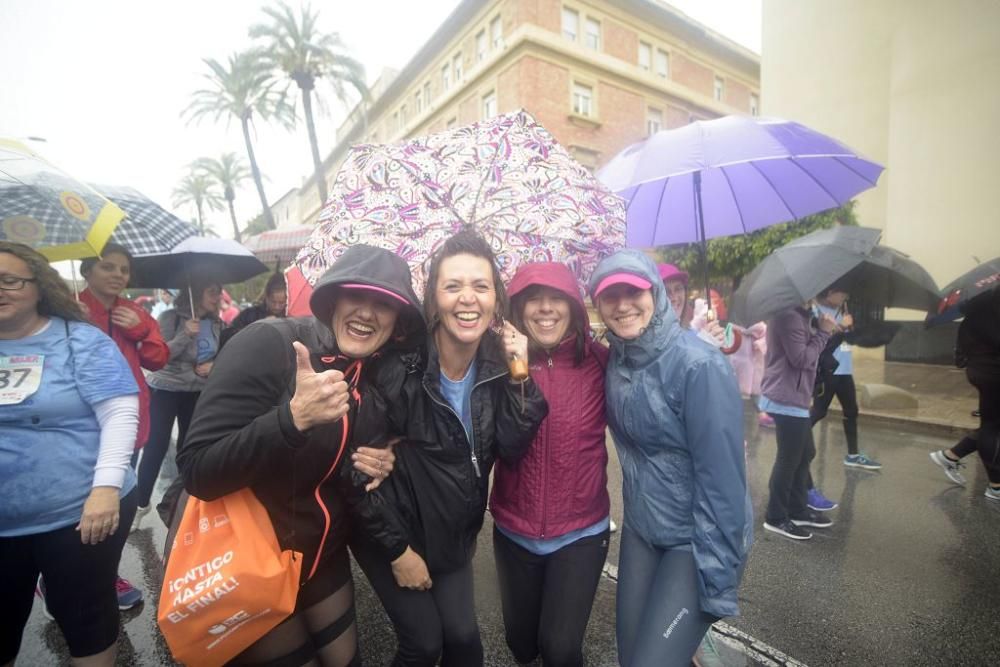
(908, 575)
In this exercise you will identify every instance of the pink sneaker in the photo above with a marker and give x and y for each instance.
(128, 595)
(765, 420)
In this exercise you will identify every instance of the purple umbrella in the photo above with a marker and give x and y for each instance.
(730, 176)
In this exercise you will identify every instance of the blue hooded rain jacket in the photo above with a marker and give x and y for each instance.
(676, 415)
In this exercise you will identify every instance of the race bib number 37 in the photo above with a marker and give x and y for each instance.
(20, 377)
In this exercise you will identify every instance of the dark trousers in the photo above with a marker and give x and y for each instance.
(438, 623)
(164, 407)
(79, 585)
(988, 444)
(547, 599)
(841, 386)
(790, 476)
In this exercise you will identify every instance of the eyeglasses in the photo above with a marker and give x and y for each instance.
(13, 283)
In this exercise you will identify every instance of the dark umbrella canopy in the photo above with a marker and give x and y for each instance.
(216, 260)
(962, 290)
(847, 256)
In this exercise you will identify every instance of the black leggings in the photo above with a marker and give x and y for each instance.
(164, 407)
(321, 632)
(841, 386)
(547, 599)
(790, 475)
(439, 623)
(988, 443)
(79, 585)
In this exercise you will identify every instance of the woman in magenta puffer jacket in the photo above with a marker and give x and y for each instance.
(550, 509)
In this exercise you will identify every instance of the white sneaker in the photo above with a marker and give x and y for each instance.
(951, 468)
(613, 527)
(991, 493)
(140, 513)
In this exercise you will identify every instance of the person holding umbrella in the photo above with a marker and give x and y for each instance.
(551, 508)
(138, 338)
(287, 424)
(459, 408)
(69, 407)
(677, 419)
(191, 329)
(793, 349)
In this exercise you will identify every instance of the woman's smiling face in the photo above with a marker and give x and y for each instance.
(466, 298)
(547, 315)
(625, 309)
(363, 321)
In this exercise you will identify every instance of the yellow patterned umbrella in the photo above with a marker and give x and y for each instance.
(41, 206)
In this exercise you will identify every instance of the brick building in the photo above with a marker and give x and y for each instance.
(599, 75)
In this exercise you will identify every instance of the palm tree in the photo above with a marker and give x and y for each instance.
(197, 189)
(241, 88)
(228, 172)
(296, 47)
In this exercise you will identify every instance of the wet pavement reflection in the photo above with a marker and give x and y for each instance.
(906, 576)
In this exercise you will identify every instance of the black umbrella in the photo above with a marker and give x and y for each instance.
(964, 289)
(848, 256)
(218, 260)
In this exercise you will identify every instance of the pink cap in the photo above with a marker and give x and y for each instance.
(380, 290)
(671, 272)
(619, 279)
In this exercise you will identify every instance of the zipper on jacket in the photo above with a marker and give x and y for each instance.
(545, 465)
(445, 405)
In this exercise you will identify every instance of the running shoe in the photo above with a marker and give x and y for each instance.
(992, 494)
(861, 461)
(951, 468)
(788, 529)
(765, 420)
(140, 513)
(814, 519)
(128, 595)
(817, 501)
(707, 654)
(40, 592)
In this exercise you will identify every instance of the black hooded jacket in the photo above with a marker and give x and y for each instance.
(242, 434)
(439, 486)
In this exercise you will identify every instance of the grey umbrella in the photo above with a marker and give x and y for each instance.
(848, 256)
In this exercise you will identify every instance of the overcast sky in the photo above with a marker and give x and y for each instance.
(104, 81)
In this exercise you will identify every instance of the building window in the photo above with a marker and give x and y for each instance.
(489, 106)
(481, 46)
(418, 101)
(719, 88)
(583, 100)
(395, 121)
(570, 24)
(452, 123)
(445, 77)
(654, 121)
(593, 40)
(427, 94)
(754, 105)
(662, 63)
(402, 117)
(645, 56)
(456, 67)
(496, 32)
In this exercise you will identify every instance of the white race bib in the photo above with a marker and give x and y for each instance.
(20, 377)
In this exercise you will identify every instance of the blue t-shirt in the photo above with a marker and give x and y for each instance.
(765, 404)
(208, 346)
(842, 354)
(554, 544)
(49, 441)
(459, 396)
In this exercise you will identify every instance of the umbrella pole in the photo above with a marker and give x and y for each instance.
(72, 273)
(191, 300)
(704, 241)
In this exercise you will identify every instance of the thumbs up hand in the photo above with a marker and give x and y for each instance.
(320, 398)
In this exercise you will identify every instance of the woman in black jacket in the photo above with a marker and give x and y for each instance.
(279, 414)
(457, 409)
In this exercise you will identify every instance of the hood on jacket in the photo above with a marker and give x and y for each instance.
(664, 323)
(556, 276)
(365, 265)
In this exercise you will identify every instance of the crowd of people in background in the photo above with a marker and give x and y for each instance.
(372, 428)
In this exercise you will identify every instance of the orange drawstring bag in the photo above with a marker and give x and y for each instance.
(227, 581)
